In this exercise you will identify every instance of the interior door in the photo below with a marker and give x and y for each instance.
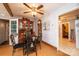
(2, 32)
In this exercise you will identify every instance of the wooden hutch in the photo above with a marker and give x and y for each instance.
(23, 26)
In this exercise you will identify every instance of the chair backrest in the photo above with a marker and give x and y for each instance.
(12, 39)
(33, 38)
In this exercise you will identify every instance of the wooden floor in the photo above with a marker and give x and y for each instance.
(46, 50)
(66, 42)
(69, 47)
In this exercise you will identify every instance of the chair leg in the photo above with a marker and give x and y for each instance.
(13, 52)
(27, 54)
(36, 52)
(40, 45)
(23, 52)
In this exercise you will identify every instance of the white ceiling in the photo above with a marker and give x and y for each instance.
(70, 15)
(18, 9)
(3, 12)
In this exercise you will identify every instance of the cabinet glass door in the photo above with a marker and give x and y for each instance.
(13, 26)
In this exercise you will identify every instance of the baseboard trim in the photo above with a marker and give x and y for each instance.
(49, 44)
(58, 50)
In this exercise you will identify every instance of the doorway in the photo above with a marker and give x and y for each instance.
(65, 35)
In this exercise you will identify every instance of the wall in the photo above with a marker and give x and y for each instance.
(2, 31)
(51, 36)
(77, 32)
(35, 25)
(72, 24)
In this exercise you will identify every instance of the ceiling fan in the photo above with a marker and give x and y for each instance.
(34, 10)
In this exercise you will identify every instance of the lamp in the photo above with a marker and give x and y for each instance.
(34, 10)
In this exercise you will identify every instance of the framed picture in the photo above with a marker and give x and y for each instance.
(46, 25)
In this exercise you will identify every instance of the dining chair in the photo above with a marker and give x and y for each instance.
(39, 39)
(14, 45)
(30, 46)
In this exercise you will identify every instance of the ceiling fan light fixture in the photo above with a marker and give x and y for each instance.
(34, 9)
(34, 13)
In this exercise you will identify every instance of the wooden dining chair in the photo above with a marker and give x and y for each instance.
(30, 46)
(39, 39)
(14, 45)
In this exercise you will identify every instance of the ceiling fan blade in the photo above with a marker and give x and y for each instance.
(40, 13)
(41, 10)
(27, 12)
(27, 5)
(39, 7)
